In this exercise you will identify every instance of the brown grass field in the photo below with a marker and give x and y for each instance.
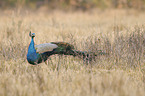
(121, 33)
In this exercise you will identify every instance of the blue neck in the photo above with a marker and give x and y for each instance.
(32, 56)
(31, 48)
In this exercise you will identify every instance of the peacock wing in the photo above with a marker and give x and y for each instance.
(41, 48)
(64, 45)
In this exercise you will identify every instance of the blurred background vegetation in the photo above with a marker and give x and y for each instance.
(73, 4)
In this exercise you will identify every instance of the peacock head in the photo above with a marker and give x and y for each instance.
(32, 34)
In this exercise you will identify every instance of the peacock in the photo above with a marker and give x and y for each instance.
(40, 53)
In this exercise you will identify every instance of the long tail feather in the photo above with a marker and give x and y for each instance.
(89, 55)
(85, 54)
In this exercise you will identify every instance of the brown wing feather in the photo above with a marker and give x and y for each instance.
(65, 45)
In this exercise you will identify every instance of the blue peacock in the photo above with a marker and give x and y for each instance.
(40, 53)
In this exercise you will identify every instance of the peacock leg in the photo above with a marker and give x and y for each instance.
(51, 61)
(46, 62)
(59, 63)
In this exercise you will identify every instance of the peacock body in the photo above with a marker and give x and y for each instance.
(40, 53)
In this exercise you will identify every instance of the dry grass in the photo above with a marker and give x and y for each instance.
(118, 32)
